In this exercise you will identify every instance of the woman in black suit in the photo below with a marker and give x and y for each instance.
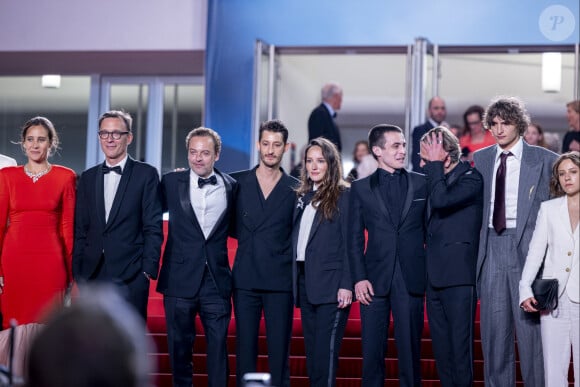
(322, 281)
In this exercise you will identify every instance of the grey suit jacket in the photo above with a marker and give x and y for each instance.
(534, 188)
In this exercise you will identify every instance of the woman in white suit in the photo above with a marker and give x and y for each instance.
(557, 237)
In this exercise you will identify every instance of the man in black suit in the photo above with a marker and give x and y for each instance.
(390, 274)
(437, 113)
(321, 121)
(195, 276)
(263, 265)
(118, 217)
(453, 222)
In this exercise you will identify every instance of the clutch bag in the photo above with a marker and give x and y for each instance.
(546, 294)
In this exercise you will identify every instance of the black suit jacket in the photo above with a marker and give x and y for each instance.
(387, 241)
(454, 213)
(326, 259)
(418, 132)
(187, 252)
(321, 124)
(131, 239)
(263, 258)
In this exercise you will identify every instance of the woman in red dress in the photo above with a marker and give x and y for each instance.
(36, 228)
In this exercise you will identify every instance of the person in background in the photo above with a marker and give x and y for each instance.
(556, 238)
(37, 204)
(437, 113)
(321, 273)
(6, 161)
(118, 218)
(195, 278)
(572, 138)
(475, 137)
(457, 130)
(455, 192)
(516, 179)
(99, 341)
(321, 122)
(361, 149)
(534, 135)
(297, 170)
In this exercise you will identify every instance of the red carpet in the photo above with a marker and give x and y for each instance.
(350, 363)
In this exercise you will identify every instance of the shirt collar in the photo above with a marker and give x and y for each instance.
(121, 164)
(196, 177)
(386, 173)
(330, 109)
(516, 150)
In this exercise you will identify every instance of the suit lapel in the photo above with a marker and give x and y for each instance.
(125, 177)
(408, 198)
(279, 194)
(315, 223)
(530, 171)
(376, 190)
(185, 200)
(100, 196)
(229, 201)
(486, 170)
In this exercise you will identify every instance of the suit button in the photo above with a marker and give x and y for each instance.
(569, 253)
(567, 270)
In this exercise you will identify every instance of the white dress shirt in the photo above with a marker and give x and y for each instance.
(512, 183)
(304, 232)
(111, 183)
(208, 202)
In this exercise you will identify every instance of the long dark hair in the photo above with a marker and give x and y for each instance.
(326, 197)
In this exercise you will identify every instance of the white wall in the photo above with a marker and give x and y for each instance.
(104, 25)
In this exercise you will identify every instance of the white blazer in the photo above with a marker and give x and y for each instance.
(553, 236)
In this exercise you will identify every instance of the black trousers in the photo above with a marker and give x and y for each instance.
(278, 309)
(408, 316)
(451, 313)
(215, 314)
(135, 290)
(323, 327)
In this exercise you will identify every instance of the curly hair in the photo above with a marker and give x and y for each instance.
(326, 197)
(510, 109)
(556, 189)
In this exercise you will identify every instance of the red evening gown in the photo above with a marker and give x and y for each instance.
(36, 238)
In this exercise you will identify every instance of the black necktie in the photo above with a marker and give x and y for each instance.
(499, 202)
(117, 169)
(210, 180)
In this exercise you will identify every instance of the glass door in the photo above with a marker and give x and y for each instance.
(422, 85)
(264, 104)
(163, 109)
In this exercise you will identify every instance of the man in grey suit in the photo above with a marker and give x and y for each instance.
(516, 180)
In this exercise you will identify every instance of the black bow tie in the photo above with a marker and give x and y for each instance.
(210, 180)
(117, 169)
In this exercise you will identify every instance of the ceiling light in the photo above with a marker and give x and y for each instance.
(51, 81)
(551, 72)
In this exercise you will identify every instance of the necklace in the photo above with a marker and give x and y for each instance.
(36, 176)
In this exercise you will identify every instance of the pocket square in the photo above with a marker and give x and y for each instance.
(418, 200)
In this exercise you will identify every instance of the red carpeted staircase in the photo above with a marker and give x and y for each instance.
(350, 363)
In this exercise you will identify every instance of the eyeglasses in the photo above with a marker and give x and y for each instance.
(116, 135)
(473, 123)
